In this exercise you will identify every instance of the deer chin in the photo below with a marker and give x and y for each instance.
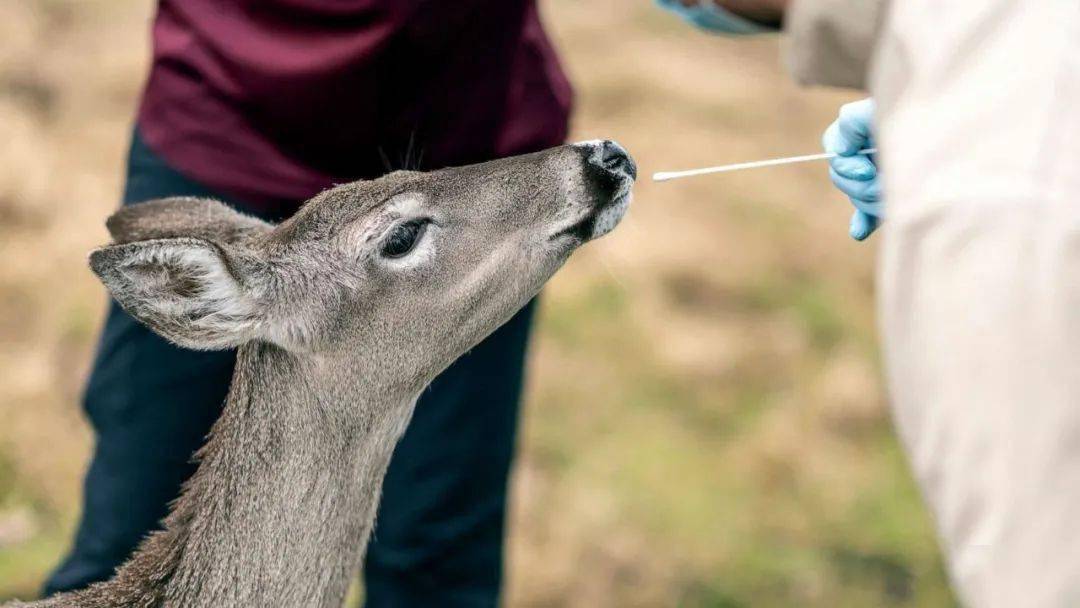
(610, 216)
(598, 222)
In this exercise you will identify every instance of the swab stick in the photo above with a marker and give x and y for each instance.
(664, 176)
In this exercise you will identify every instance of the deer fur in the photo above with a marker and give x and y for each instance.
(336, 340)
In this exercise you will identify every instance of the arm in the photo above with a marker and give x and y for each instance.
(769, 13)
(730, 16)
(832, 42)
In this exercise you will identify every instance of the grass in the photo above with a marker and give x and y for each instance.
(695, 467)
(32, 534)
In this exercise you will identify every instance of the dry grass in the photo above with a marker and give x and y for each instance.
(706, 425)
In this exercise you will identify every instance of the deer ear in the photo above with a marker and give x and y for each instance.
(185, 216)
(191, 291)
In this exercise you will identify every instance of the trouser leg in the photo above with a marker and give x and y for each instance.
(151, 405)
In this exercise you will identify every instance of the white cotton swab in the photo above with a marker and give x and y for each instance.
(664, 176)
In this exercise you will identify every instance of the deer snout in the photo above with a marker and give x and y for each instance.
(609, 171)
(609, 175)
(609, 156)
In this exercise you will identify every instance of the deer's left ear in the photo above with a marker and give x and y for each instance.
(193, 292)
(180, 216)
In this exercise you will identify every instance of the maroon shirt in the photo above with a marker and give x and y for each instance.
(272, 101)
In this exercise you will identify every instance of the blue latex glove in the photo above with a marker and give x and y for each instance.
(856, 175)
(706, 15)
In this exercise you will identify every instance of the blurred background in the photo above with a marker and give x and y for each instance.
(706, 424)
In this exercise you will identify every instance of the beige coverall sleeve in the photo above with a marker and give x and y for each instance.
(831, 42)
(979, 283)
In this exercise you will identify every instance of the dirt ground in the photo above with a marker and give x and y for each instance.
(705, 425)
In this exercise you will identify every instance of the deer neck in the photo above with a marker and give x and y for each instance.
(282, 505)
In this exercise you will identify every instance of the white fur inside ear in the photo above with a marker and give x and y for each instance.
(185, 290)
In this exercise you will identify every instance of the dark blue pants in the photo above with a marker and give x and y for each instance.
(439, 536)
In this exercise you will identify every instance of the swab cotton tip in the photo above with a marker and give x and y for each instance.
(664, 176)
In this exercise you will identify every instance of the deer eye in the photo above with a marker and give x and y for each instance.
(403, 238)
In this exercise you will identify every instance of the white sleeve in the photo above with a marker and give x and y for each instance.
(831, 42)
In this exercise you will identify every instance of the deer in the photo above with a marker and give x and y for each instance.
(341, 316)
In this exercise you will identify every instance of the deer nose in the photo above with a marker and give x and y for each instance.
(612, 157)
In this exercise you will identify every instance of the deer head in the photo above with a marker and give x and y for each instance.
(406, 272)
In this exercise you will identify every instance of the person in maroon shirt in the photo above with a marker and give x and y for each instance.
(263, 104)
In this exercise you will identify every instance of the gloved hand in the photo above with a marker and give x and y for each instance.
(708, 15)
(856, 175)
